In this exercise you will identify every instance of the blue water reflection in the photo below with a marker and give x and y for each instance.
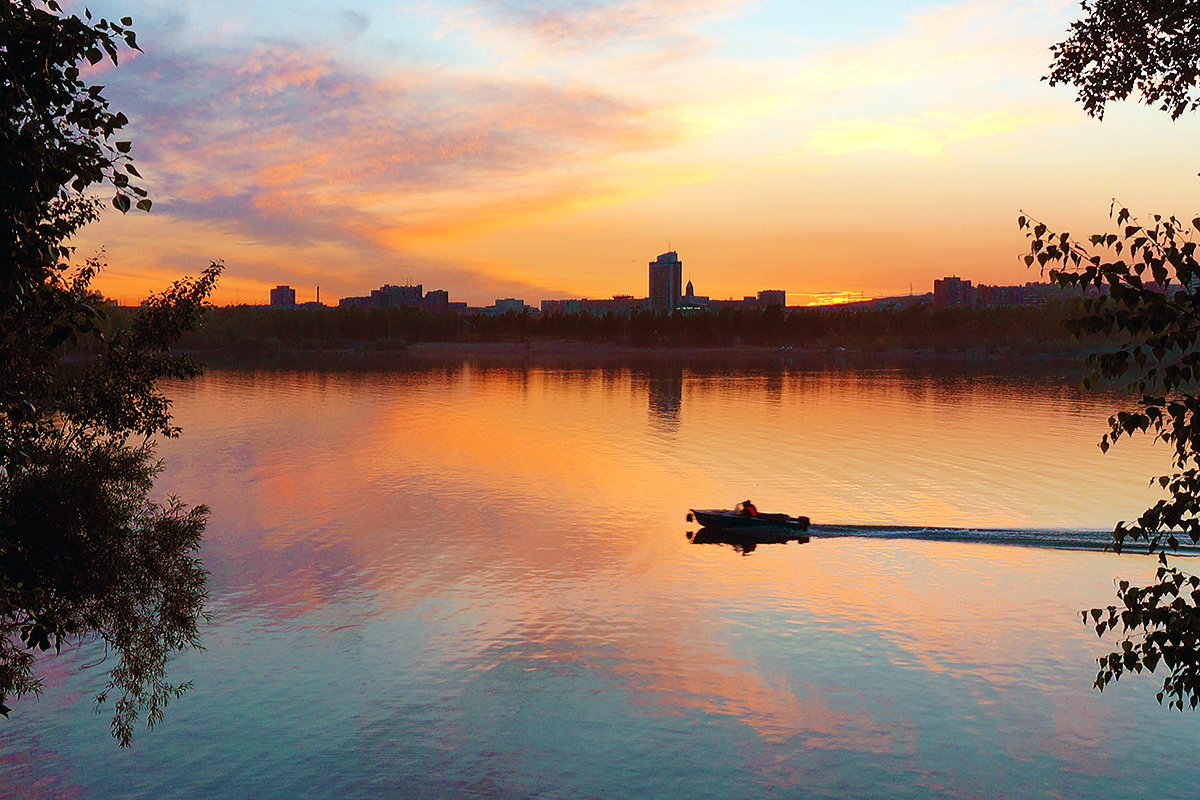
(468, 581)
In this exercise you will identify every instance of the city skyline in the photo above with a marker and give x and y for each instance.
(541, 149)
(947, 290)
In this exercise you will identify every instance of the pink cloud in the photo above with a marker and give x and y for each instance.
(287, 145)
(566, 22)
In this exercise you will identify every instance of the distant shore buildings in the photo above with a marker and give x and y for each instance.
(665, 275)
(435, 301)
(954, 291)
(284, 296)
(622, 305)
(668, 294)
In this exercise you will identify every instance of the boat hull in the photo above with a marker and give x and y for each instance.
(722, 519)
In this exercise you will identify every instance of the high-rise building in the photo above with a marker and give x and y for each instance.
(388, 296)
(283, 297)
(507, 304)
(666, 280)
(622, 305)
(437, 301)
(772, 297)
(952, 291)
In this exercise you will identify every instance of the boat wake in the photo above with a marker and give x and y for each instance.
(1052, 539)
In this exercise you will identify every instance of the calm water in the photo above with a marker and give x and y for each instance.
(474, 581)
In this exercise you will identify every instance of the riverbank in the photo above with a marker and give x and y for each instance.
(574, 354)
(918, 332)
(584, 351)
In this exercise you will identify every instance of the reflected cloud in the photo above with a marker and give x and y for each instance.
(717, 684)
(521, 517)
(404, 452)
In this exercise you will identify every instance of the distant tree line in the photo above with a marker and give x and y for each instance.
(1014, 329)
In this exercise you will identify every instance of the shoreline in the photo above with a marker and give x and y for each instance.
(564, 353)
(556, 349)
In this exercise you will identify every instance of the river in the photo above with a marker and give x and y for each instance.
(476, 581)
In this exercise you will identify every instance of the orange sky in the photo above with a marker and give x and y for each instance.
(552, 148)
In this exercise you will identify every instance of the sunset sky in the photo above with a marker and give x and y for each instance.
(551, 148)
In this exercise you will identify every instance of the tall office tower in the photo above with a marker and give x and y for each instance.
(952, 291)
(666, 278)
(283, 296)
(772, 297)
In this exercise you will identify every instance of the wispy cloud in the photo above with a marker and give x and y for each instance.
(477, 140)
(588, 23)
(951, 75)
(925, 135)
(289, 146)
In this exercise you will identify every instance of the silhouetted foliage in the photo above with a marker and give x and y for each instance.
(1151, 315)
(84, 553)
(1125, 46)
(1016, 330)
(1150, 312)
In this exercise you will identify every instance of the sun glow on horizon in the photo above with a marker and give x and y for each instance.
(821, 299)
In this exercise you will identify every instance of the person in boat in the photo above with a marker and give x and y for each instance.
(748, 509)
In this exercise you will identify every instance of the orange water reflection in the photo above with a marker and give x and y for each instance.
(544, 508)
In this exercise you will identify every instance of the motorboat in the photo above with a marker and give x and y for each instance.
(726, 519)
(750, 523)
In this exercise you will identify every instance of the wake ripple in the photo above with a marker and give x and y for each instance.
(1052, 539)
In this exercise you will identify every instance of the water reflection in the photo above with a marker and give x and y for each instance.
(471, 579)
(744, 542)
(346, 478)
(666, 397)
